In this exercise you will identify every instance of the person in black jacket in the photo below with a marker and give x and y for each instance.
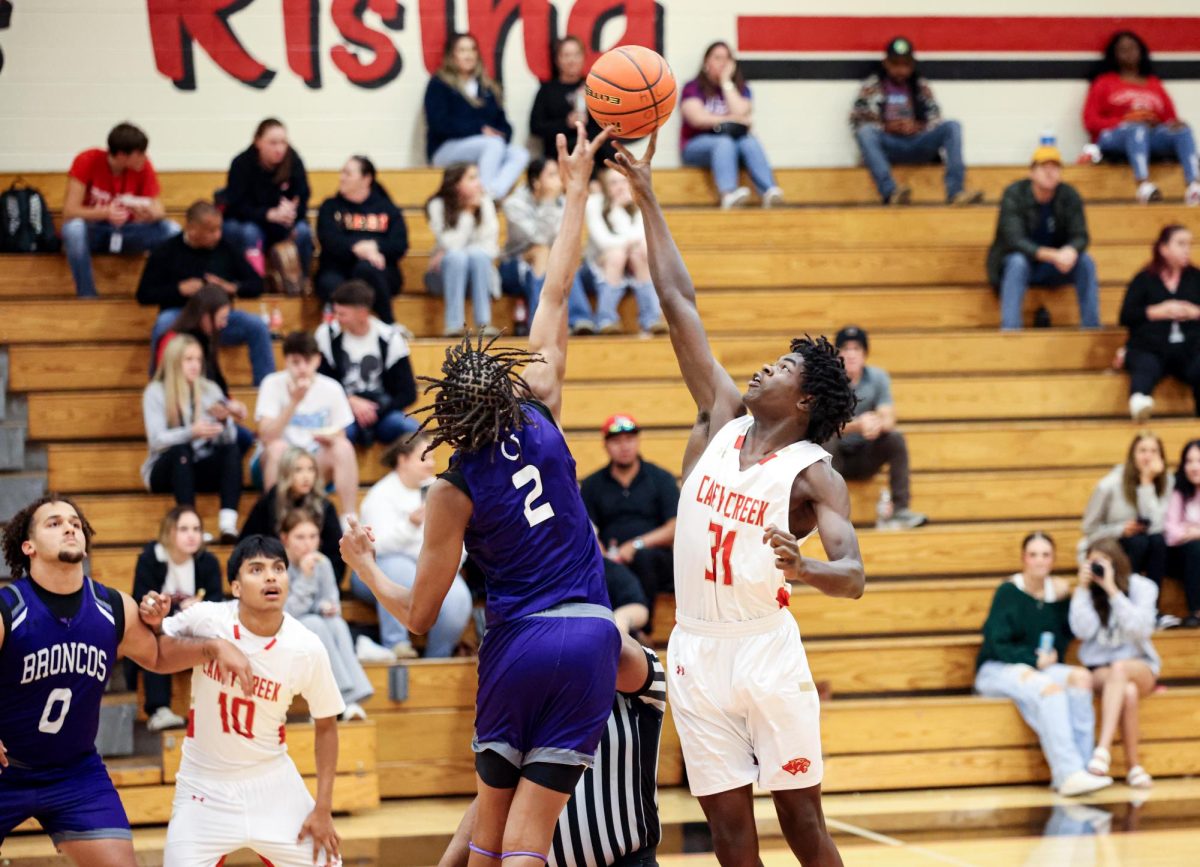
(363, 237)
(558, 105)
(465, 120)
(175, 565)
(177, 269)
(371, 360)
(1162, 312)
(266, 194)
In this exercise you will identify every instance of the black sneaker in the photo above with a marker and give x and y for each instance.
(1191, 622)
(1041, 319)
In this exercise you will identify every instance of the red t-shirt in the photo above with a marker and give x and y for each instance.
(101, 186)
(1111, 98)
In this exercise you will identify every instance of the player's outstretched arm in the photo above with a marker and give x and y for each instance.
(319, 823)
(548, 333)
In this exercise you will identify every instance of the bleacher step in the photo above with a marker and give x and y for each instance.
(12, 445)
(18, 489)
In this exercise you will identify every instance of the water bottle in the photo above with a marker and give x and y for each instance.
(264, 314)
(1048, 139)
(1046, 642)
(327, 314)
(883, 509)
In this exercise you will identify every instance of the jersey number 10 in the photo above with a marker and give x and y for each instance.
(722, 551)
(237, 716)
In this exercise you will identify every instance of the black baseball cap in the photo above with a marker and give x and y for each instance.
(851, 333)
(899, 47)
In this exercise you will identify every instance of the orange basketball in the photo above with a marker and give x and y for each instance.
(631, 89)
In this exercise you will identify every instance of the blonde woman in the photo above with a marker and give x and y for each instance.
(618, 257)
(189, 449)
(465, 120)
(463, 220)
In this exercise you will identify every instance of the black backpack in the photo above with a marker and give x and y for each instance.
(25, 222)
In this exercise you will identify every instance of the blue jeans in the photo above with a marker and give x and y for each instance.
(462, 270)
(1064, 721)
(82, 238)
(242, 328)
(248, 236)
(723, 153)
(352, 682)
(880, 149)
(387, 429)
(452, 619)
(608, 297)
(1138, 143)
(1020, 272)
(500, 163)
(578, 307)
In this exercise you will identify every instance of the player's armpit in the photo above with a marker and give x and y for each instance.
(824, 491)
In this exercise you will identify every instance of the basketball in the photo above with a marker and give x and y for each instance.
(631, 89)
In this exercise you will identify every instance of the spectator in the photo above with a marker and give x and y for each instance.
(112, 205)
(1113, 615)
(313, 599)
(298, 407)
(1129, 506)
(266, 196)
(178, 268)
(371, 361)
(559, 104)
(1042, 238)
(1129, 115)
(193, 445)
(467, 236)
(533, 213)
(300, 487)
(465, 121)
(1162, 312)
(175, 565)
(631, 610)
(1054, 699)
(896, 120)
(871, 441)
(717, 115)
(633, 503)
(618, 258)
(1183, 530)
(363, 237)
(394, 509)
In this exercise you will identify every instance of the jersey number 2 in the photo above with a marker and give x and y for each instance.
(57, 696)
(722, 552)
(533, 514)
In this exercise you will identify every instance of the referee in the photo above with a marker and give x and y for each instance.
(612, 817)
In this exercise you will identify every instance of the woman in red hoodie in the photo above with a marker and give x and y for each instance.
(1128, 113)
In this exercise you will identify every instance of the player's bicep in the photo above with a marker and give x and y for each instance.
(831, 503)
(447, 512)
(138, 643)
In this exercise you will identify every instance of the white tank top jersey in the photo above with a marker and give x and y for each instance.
(723, 570)
(230, 736)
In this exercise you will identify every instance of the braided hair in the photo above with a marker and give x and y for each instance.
(831, 397)
(478, 399)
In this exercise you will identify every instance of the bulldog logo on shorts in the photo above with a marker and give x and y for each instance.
(797, 766)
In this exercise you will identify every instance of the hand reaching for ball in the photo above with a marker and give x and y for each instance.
(636, 170)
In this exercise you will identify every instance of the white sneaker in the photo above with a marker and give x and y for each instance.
(1140, 406)
(1081, 783)
(165, 718)
(1147, 192)
(368, 651)
(772, 198)
(734, 199)
(353, 711)
(405, 650)
(1166, 621)
(1191, 196)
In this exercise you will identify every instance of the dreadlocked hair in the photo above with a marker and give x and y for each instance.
(478, 399)
(831, 397)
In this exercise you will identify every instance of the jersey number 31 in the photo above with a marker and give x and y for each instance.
(533, 514)
(722, 552)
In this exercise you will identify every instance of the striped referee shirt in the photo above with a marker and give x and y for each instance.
(613, 811)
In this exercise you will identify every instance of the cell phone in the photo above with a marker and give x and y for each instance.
(1097, 570)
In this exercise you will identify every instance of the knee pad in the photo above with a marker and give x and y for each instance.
(497, 771)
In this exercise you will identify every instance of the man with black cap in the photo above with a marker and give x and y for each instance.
(871, 440)
(896, 120)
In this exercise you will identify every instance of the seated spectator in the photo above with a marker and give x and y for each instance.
(191, 449)
(371, 361)
(1054, 699)
(533, 213)
(896, 120)
(112, 205)
(300, 487)
(1162, 312)
(466, 235)
(1042, 238)
(175, 565)
(871, 441)
(1129, 506)
(266, 196)
(559, 104)
(1130, 115)
(1183, 530)
(718, 113)
(633, 503)
(394, 509)
(298, 407)
(631, 610)
(177, 269)
(465, 120)
(618, 258)
(363, 237)
(314, 600)
(1113, 615)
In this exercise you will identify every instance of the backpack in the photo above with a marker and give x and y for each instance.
(25, 222)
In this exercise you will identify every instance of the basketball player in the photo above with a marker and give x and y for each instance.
(755, 487)
(548, 666)
(60, 636)
(237, 787)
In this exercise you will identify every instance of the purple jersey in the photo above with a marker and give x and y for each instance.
(52, 676)
(529, 531)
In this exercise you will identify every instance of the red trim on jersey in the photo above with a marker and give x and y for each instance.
(282, 734)
(737, 444)
(265, 861)
(221, 863)
(769, 457)
(237, 633)
(191, 727)
(270, 644)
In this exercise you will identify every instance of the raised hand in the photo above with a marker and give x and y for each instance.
(575, 167)
(153, 609)
(357, 545)
(637, 171)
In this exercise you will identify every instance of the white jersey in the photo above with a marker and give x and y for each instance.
(228, 734)
(723, 570)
